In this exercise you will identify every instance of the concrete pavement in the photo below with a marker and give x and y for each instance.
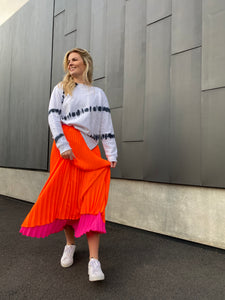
(137, 264)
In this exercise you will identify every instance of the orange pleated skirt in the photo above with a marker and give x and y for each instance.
(75, 193)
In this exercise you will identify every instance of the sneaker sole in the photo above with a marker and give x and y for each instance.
(66, 265)
(98, 278)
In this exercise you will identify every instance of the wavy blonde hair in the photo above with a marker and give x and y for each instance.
(68, 83)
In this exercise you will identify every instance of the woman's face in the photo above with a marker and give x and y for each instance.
(76, 65)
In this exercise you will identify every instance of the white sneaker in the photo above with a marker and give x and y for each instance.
(67, 257)
(94, 270)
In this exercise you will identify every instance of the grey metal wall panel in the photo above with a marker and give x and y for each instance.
(134, 70)
(71, 16)
(59, 6)
(186, 24)
(61, 44)
(84, 24)
(115, 55)
(115, 33)
(185, 137)
(213, 141)
(28, 129)
(213, 53)
(5, 70)
(132, 160)
(59, 49)
(117, 121)
(98, 37)
(70, 40)
(157, 102)
(117, 124)
(100, 83)
(158, 9)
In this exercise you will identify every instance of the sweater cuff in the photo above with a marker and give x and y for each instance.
(112, 158)
(63, 148)
(62, 144)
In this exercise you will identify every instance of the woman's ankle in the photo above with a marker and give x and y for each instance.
(94, 257)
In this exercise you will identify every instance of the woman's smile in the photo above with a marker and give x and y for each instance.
(76, 65)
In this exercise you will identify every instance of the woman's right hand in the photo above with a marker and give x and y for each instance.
(68, 155)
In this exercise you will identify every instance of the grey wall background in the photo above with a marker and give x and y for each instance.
(25, 68)
(161, 64)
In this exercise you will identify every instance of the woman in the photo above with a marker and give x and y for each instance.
(75, 195)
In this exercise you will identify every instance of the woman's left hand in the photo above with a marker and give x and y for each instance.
(113, 164)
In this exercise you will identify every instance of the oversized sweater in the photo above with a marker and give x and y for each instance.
(88, 111)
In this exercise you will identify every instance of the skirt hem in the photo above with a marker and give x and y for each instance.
(85, 224)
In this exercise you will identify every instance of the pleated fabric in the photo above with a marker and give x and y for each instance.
(75, 193)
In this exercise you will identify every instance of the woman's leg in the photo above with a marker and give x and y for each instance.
(68, 253)
(69, 233)
(93, 243)
(94, 266)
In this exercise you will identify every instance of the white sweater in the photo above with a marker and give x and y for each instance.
(88, 111)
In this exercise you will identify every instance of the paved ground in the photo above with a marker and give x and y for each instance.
(137, 264)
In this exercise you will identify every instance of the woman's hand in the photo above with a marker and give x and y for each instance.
(68, 155)
(113, 164)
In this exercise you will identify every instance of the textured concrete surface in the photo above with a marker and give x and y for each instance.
(137, 265)
(190, 213)
(22, 184)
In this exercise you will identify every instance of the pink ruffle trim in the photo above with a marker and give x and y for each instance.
(85, 224)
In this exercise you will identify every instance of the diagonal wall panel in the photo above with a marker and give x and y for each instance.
(132, 160)
(154, 97)
(6, 69)
(59, 49)
(213, 54)
(98, 37)
(59, 6)
(84, 24)
(134, 71)
(158, 9)
(71, 16)
(157, 102)
(213, 139)
(185, 135)
(29, 90)
(115, 55)
(186, 24)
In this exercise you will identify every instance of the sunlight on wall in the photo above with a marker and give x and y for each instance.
(8, 8)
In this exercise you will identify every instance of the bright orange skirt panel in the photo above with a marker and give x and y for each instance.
(75, 187)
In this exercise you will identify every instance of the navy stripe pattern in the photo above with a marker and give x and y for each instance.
(105, 136)
(54, 110)
(63, 96)
(85, 110)
(58, 137)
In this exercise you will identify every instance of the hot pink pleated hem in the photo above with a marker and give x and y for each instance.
(85, 224)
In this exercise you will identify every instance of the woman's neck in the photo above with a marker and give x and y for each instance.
(78, 80)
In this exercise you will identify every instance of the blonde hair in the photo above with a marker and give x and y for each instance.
(68, 83)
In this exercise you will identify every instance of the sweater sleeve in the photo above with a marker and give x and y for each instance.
(107, 131)
(54, 120)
